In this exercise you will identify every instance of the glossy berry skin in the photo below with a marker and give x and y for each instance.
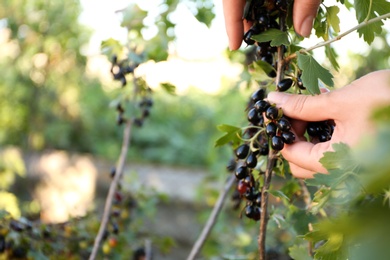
(264, 150)
(247, 37)
(284, 125)
(261, 106)
(242, 151)
(253, 116)
(277, 143)
(258, 95)
(242, 186)
(272, 113)
(251, 194)
(284, 84)
(258, 199)
(269, 58)
(288, 137)
(251, 161)
(271, 129)
(241, 172)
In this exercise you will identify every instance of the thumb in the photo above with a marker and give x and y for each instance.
(304, 107)
(304, 12)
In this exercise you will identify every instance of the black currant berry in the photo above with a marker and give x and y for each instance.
(271, 129)
(313, 129)
(288, 137)
(251, 161)
(258, 199)
(249, 211)
(264, 150)
(277, 143)
(2, 244)
(231, 166)
(284, 84)
(269, 58)
(241, 172)
(258, 95)
(261, 106)
(300, 84)
(272, 113)
(242, 151)
(284, 125)
(253, 116)
(251, 194)
(247, 37)
(324, 137)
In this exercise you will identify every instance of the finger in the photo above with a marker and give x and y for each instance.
(304, 107)
(304, 12)
(307, 155)
(233, 11)
(299, 172)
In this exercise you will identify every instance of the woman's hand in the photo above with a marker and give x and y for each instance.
(304, 12)
(349, 107)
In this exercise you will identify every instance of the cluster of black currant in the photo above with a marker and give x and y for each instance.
(264, 16)
(119, 70)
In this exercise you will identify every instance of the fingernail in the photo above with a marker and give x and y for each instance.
(306, 26)
(277, 98)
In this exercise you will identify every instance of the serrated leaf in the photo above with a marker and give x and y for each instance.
(340, 158)
(133, 17)
(362, 8)
(333, 18)
(275, 36)
(231, 136)
(299, 253)
(263, 66)
(312, 71)
(110, 47)
(278, 194)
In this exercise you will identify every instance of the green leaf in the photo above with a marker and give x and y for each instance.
(312, 71)
(333, 18)
(260, 69)
(332, 56)
(232, 135)
(340, 158)
(133, 17)
(299, 253)
(277, 37)
(111, 47)
(278, 194)
(362, 8)
(169, 88)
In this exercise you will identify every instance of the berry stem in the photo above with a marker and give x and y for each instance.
(272, 156)
(212, 219)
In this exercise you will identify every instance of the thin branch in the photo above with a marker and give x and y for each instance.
(272, 156)
(211, 220)
(306, 193)
(113, 186)
(338, 37)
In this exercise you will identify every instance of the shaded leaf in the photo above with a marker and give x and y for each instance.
(232, 135)
(312, 71)
(275, 36)
(169, 88)
(299, 253)
(278, 194)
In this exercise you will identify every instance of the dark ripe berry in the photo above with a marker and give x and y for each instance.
(288, 137)
(300, 84)
(2, 244)
(251, 194)
(268, 57)
(256, 214)
(120, 120)
(284, 125)
(19, 252)
(115, 228)
(123, 81)
(253, 116)
(247, 37)
(263, 19)
(324, 137)
(112, 172)
(139, 254)
(272, 113)
(119, 108)
(313, 129)
(231, 166)
(258, 199)
(138, 122)
(16, 226)
(242, 186)
(114, 59)
(249, 211)
(281, 4)
(277, 143)
(145, 112)
(248, 180)
(284, 84)
(115, 212)
(105, 234)
(251, 161)
(118, 196)
(242, 151)
(264, 150)
(261, 106)
(271, 74)
(241, 172)
(270, 129)
(258, 95)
